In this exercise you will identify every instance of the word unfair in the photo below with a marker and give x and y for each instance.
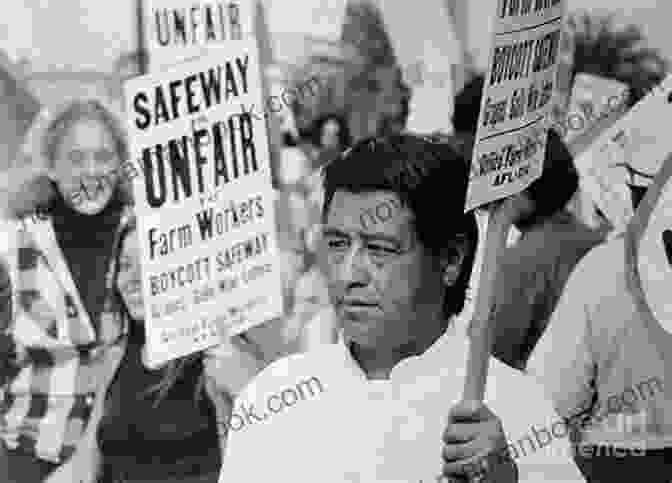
(129, 170)
(213, 22)
(275, 403)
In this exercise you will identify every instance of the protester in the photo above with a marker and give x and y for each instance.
(155, 425)
(61, 229)
(331, 132)
(552, 240)
(616, 51)
(331, 135)
(604, 365)
(398, 269)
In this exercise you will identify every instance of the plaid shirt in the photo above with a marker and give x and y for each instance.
(50, 395)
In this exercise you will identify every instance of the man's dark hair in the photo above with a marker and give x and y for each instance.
(468, 105)
(429, 177)
(606, 47)
(559, 181)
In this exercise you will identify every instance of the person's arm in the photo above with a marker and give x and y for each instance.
(515, 291)
(85, 464)
(563, 360)
(232, 364)
(12, 354)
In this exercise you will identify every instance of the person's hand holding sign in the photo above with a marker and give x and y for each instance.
(238, 352)
(507, 157)
(474, 445)
(474, 440)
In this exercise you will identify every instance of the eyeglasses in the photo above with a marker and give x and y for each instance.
(102, 156)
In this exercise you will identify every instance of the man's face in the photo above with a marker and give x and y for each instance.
(387, 290)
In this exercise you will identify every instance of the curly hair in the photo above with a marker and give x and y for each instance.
(604, 48)
(80, 110)
(29, 188)
(420, 170)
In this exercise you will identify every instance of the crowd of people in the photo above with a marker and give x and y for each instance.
(383, 304)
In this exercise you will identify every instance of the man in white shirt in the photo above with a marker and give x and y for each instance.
(604, 365)
(397, 251)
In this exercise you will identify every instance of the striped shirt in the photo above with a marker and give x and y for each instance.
(50, 395)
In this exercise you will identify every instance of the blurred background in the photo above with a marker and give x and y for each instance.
(51, 50)
(381, 65)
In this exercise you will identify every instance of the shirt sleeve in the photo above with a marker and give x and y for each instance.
(544, 451)
(563, 361)
(537, 437)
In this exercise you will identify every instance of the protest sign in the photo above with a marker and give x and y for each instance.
(592, 98)
(649, 251)
(511, 135)
(629, 152)
(642, 134)
(204, 201)
(177, 30)
(509, 148)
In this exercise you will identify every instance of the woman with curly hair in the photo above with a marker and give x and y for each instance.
(57, 237)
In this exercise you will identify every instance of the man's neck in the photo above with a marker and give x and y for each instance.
(378, 363)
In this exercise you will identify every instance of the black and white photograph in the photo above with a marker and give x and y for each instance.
(339, 241)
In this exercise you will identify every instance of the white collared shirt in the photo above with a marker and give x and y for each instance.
(356, 429)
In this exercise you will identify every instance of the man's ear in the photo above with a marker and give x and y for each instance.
(452, 261)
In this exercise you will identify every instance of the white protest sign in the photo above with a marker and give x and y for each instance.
(605, 182)
(519, 86)
(509, 148)
(204, 201)
(178, 30)
(629, 152)
(592, 98)
(650, 250)
(642, 134)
